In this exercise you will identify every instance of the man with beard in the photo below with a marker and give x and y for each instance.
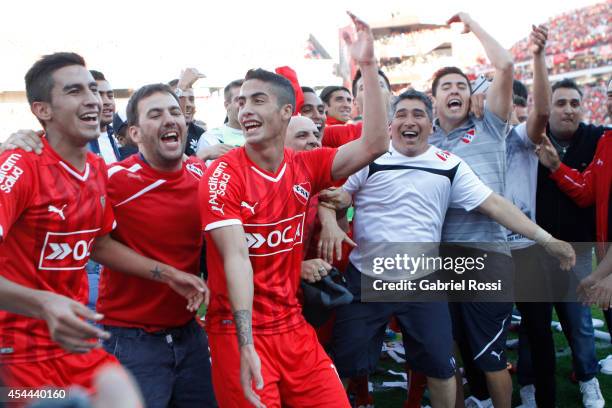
(575, 143)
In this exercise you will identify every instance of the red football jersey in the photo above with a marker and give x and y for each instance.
(338, 135)
(50, 214)
(272, 210)
(157, 216)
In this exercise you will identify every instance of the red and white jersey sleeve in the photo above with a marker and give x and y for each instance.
(271, 207)
(220, 192)
(17, 187)
(50, 213)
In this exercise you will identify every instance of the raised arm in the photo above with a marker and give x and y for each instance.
(499, 95)
(374, 140)
(231, 244)
(538, 117)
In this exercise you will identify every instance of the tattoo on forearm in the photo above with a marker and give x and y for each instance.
(156, 272)
(242, 318)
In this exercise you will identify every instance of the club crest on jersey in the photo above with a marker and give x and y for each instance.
(64, 251)
(469, 136)
(443, 155)
(195, 169)
(302, 191)
(10, 172)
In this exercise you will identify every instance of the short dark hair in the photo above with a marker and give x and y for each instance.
(308, 89)
(174, 82)
(519, 89)
(327, 92)
(567, 83)
(97, 75)
(39, 78)
(237, 83)
(519, 101)
(358, 77)
(414, 95)
(144, 92)
(285, 95)
(446, 71)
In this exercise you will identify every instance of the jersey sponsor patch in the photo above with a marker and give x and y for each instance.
(469, 136)
(10, 172)
(443, 155)
(302, 191)
(63, 251)
(271, 239)
(217, 184)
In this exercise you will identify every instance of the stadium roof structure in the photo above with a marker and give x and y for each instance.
(397, 21)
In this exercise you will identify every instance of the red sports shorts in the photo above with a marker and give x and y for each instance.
(296, 371)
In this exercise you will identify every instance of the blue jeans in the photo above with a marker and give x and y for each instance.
(93, 276)
(172, 367)
(578, 329)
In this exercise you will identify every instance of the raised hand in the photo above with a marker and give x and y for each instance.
(464, 18)
(188, 77)
(361, 50)
(538, 38)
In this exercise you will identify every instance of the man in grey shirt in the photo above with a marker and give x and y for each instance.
(480, 329)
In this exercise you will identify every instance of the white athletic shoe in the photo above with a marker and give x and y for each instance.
(528, 397)
(473, 402)
(591, 394)
(606, 365)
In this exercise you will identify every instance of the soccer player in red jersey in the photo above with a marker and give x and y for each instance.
(154, 332)
(150, 312)
(253, 203)
(64, 97)
(52, 207)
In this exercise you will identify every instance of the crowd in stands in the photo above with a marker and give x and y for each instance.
(419, 42)
(595, 103)
(588, 26)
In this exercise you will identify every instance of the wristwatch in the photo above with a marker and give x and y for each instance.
(178, 92)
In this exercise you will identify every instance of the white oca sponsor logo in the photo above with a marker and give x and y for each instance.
(273, 238)
(66, 250)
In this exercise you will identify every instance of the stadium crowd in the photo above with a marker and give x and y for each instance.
(288, 229)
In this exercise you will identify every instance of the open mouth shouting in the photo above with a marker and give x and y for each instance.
(409, 134)
(251, 126)
(454, 104)
(170, 139)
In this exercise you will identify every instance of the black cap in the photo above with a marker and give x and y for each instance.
(323, 296)
(119, 121)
